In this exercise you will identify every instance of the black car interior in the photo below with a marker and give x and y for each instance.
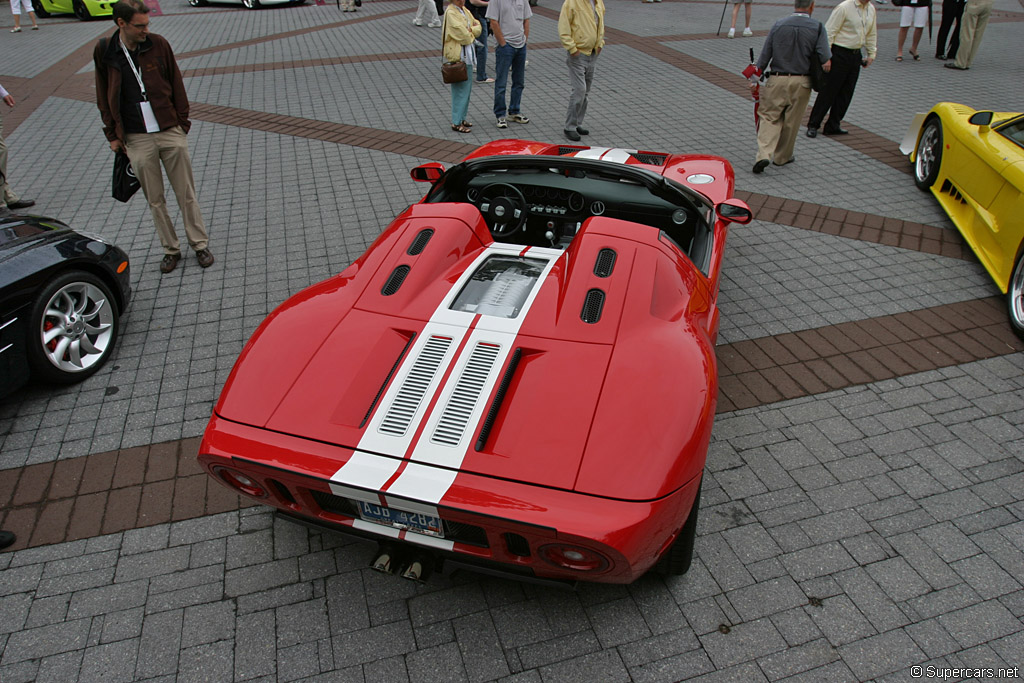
(543, 201)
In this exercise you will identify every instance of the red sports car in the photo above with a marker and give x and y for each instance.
(518, 375)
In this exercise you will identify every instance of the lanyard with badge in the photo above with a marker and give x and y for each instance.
(144, 106)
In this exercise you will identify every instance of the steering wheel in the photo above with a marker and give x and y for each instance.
(505, 212)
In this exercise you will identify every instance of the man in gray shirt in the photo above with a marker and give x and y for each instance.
(510, 21)
(785, 57)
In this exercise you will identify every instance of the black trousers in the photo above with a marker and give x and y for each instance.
(834, 99)
(952, 10)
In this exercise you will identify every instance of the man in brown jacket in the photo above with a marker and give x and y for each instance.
(144, 107)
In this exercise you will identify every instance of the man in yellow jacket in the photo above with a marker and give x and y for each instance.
(581, 30)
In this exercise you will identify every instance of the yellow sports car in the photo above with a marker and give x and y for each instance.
(83, 9)
(973, 162)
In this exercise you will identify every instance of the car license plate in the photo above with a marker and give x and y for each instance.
(413, 521)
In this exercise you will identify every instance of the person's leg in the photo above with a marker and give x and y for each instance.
(749, 7)
(9, 195)
(900, 38)
(772, 104)
(502, 62)
(588, 78)
(144, 153)
(798, 94)
(735, 15)
(578, 90)
(174, 154)
(968, 25)
(954, 42)
(916, 40)
(823, 102)
(16, 11)
(849, 72)
(518, 79)
(981, 14)
(480, 48)
(460, 100)
(425, 12)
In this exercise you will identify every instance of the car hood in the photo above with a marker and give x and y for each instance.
(554, 368)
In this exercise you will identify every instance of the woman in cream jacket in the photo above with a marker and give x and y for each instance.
(460, 30)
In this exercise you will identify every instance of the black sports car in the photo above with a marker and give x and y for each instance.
(62, 295)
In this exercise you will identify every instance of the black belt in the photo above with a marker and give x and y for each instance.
(848, 49)
(783, 73)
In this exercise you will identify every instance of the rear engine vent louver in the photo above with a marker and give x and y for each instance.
(605, 263)
(592, 306)
(420, 242)
(407, 400)
(562, 151)
(648, 158)
(395, 280)
(455, 416)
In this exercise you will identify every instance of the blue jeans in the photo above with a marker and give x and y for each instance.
(507, 57)
(480, 46)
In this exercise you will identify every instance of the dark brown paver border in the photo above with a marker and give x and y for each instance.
(82, 497)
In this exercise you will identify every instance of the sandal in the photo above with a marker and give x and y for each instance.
(467, 124)
(461, 128)
(917, 57)
(899, 58)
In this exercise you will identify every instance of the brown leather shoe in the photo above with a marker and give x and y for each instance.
(205, 258)
(169, 263)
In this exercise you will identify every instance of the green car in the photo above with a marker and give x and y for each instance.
(83, 9)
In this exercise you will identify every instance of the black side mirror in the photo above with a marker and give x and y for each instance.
(981, 118)
(734, 211)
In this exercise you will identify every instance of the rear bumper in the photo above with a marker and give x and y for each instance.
(490, 524)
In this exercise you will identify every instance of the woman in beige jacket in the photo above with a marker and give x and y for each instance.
(460, 30)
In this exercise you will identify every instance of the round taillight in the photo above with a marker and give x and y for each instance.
(574, 557)
(240, 482)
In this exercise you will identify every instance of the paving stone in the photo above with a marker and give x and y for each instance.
(110, 662)
(980, 623)
(742, 642)
(255, 649)
(881, 654)
(480, 647)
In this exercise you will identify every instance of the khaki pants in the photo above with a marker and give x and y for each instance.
(147, 151)
(783, 103)
(9, 195)
(972, 28)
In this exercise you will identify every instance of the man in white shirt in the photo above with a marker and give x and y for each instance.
(851, 28)
(510, 21)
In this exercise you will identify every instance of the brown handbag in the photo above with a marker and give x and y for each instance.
(454, 72)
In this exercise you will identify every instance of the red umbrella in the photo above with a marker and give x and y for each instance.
(753, 74)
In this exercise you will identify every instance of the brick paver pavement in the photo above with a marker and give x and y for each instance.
(863, 511)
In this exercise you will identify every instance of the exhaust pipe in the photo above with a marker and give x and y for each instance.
(414, 571)
(385, 561)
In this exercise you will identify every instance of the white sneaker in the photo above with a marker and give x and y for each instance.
(747, 32)
(732, 33)
(502, 123)
(434, 24)
(417, 22)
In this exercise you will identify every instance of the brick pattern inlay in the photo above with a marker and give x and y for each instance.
(139, 487)
(109, 492)
(786, 366)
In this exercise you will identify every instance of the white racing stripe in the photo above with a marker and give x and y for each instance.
(422, 482)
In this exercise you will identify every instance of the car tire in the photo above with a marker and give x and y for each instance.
(82, 310)
(677, 559)
(81, 11)
(928, 158)
(197, 3)
(1015, 296)
(251, 4)
(37, 6)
